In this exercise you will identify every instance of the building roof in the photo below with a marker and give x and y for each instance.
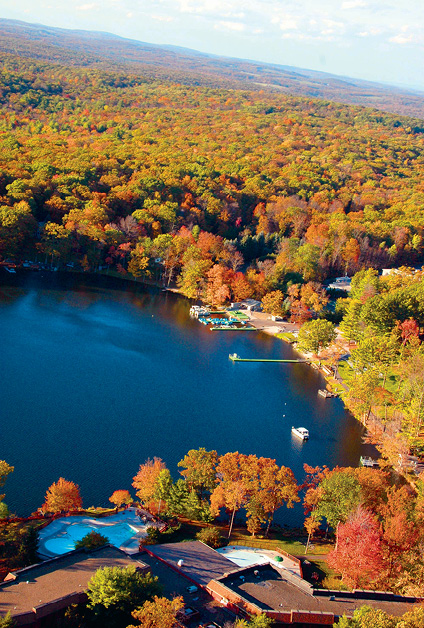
(200, 564)
(56, 578)
(265, 587)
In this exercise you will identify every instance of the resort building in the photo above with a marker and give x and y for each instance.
(217, 585)
(341, 283)
(37, 594)
(279, 592)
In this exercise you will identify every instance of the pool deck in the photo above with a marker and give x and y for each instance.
(58, 528)
(259, 556)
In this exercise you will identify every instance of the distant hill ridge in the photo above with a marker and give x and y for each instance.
(112, 52)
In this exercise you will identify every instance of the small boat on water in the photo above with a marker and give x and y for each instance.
(300, 432)
(199, 310)
(366, 461)
(327, 394)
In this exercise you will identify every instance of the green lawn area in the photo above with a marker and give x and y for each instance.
(327, 577)
(392, 383)
(290, 542)
(286, 336)
(242, 316)
(293, 545)
(348, 374)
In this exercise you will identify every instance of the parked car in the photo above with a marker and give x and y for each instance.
(188, 614)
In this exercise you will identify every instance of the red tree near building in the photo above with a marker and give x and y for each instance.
(358, 554)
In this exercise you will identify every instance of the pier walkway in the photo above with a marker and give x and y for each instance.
(235, 358)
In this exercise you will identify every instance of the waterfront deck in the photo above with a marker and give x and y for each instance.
(235, 358)
(231, 328)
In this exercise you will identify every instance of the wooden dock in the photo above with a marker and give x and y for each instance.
(231, 328)
(235, 358)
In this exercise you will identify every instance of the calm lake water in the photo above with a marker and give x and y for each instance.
(99, 374)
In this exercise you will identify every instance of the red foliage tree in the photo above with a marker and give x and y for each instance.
(408, 329)
(358, 554)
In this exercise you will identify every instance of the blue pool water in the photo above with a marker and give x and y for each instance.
(61, 535)
(246, 558)
(117, 535)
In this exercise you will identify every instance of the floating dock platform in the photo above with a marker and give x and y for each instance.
(235, 358)
(232, 328)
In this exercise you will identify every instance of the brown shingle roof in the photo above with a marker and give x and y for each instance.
(60, 577)
(200, 562)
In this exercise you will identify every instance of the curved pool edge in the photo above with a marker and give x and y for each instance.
(59, 529)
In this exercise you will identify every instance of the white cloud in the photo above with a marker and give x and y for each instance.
(353, 4)
(163, 18)
(401, 38)
(332, 27)
(285, 21)
(371, 32)
(230, 26)
(340, 21)
(217, 8)
(86, 7)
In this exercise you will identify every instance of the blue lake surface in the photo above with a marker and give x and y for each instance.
(100, 374)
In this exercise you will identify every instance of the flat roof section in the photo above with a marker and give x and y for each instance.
(265, 587)
(200, 563)
(60, 577)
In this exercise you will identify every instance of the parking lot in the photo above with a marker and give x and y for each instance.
(175, 584)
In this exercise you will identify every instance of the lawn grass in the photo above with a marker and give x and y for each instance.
(327, 577)
(286, 336)
(94, 511)
(293, 544)
(348, 375)
(392, 383)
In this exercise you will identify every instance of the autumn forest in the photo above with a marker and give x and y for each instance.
(153, 177)
(227, 193)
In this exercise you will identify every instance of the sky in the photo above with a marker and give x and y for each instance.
(378, 40)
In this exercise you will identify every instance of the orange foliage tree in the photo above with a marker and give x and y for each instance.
(231, 492)
(158, 613)
(146, 478)
(62, 495)
(120, 497)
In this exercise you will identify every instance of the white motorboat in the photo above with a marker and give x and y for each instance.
(366, 461)
(300, 432)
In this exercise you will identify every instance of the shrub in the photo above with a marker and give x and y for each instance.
(210, 536)
(153, 534)
(92, 540)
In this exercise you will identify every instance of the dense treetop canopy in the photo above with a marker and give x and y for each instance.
(106, 160)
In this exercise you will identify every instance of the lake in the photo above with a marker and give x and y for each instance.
(100, 374)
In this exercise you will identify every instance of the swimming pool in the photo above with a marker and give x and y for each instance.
(122, 530)
(247, 556)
